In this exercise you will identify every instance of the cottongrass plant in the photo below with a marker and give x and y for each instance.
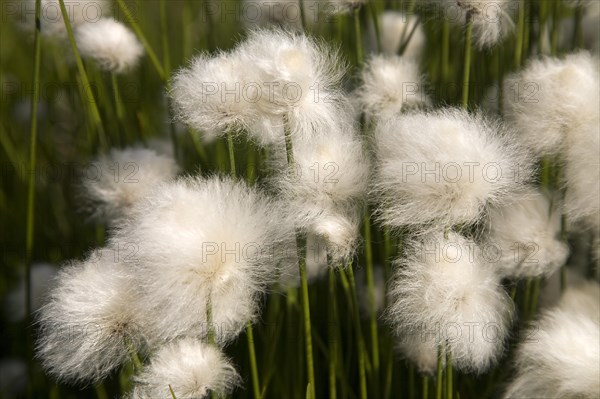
(110, 43)
(524, 236)
(399, 29)
(186, 369)
(560, 356)
(446, 295)
(442, 168)
(122, 178)
(212, 243)
(91, 321)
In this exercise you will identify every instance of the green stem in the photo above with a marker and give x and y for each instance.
(448, 374)
(358, 37)
(138, 31)
(577, 28)
(253, 366)
(118, 105)
(520, 34)
(534, 297)
(231, 155)
(371, 294)
(302, 16)
(362, 375)
(89, 94)
(438, 380)
(554, 34)
(425, 386)
(332, 331)
(467, 63)
(164, 29)
(301, 248)
(372, 5)
(445, 50)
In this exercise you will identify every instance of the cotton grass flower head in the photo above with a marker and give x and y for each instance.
(491, 19)
(444, 289)
(395, 29)
(80, 12)
(90, 320)
(561, 357)
(213, 95)
(325, 188)
(550, 99)
(390, 85)
(191, 368)
(444, 167)
(110, 43)
(299, 79)
(115, 182)
(202, 240)
(524, 236)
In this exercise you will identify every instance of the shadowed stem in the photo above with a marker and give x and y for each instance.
(359, 336)
(448, 374)
(467, 63)
(301, 247)
(332, 331)
(520, 34)
(371, 295)
(438, 380)
(358, 36)
(89, 94)
(138, 31)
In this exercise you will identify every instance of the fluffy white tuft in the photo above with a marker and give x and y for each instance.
(395, 30)
(110, 43)
(324, 193)
(299, 79)
(122, 178)
(198, 240)
(90, 315)
(444, 292)
(191, 368)
(442, 168)
(391, 84)
(552, 98)
(492, 21)
(524, 236)
(561, 356)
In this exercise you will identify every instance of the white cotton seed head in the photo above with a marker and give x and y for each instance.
(214, 95)
(298, 79)
(198, 240)
(90, 314)
(561, 357)
(115, 182)
(395, 29)
(492, 21)
(110, 43)
(582, 172)
(324, 191)
(191, 368)
(550, 99)
(523, 237)
(390, 85)
(80, 12)
(444, 291)
(442, 168)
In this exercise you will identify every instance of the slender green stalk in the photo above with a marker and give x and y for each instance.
(171, 392)
(371, 295)
(467, 63)
(164, 29)
(253, 366)
(30, 223)
(135, 359)
(448, 374)
(118, 103)
(301, 247)
(411, 381)
(302, 16)
(578, 27)
(358, 37)
(231, 155)
(406, 42)
(534, 297)
(527, 297)
(445, 50)
(89, 94)
(520, 34)
(138, 31)
(438, 379)
(555, 30)
(372, 5)
(425, 386)
(332, 332)
(362, 375)
(210, 331)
